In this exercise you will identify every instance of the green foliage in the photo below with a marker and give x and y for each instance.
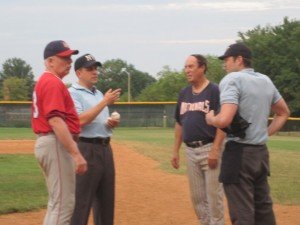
(167, 87)
(215, 71)
(276, 54)
(19, 69)
(15, 89)
(115, 74)
(22, 184)
(170, 82)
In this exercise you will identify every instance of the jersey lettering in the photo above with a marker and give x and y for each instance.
(196, 106)
(35, 108)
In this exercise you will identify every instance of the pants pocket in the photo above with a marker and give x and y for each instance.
(231, 163)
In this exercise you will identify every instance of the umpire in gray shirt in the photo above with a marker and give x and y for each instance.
(245, 162)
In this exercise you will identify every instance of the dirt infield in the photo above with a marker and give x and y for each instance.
(145, 195)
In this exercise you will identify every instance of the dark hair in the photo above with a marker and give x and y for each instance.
(202, 61)
(247, 62)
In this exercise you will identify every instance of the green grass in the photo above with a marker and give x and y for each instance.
(22, 184)
(16, 133)
(157, 144)
(23, 188)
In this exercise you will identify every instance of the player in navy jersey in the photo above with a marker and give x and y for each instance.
(203, 142)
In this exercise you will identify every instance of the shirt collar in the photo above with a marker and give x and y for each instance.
(46, 71)
(248, 70)
(79, 87)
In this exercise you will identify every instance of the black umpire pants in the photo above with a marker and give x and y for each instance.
(96, 188)
(248, 196)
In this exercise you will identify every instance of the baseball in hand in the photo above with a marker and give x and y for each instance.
(115, 115)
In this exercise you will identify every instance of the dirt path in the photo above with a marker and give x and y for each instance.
(145, 195)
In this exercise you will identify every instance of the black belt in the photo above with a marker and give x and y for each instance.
(98, 140)
(197, 144)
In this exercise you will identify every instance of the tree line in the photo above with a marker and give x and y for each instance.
(276, 53)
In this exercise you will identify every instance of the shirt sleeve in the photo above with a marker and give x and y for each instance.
(53, 99)
(177, 109)
(277, 96)
(229, 89)
(177, 113)
(215, 99)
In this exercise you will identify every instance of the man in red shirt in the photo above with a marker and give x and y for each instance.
(55, 121)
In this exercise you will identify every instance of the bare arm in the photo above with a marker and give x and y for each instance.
(282, 113)
(109, 98)
(64, 136)
(224, 118)
(177, 144)
(214, 153)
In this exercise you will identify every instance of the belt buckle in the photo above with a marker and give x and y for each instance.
(199, 143)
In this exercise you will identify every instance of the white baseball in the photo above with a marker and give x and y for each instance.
(115, 115)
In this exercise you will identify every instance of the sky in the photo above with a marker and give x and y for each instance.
(146, 34)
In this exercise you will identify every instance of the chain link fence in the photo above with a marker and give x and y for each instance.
(135, 114)
(138, 114)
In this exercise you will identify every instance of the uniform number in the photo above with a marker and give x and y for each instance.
(35, 108)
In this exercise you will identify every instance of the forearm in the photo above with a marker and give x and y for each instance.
(177, 138)
(89, 115)
(63, 135)
(219, 139)
(217, 144)
(220, 121)
(281, 115)
(224, 118)
(277, 123)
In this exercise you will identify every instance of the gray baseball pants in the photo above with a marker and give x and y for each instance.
(249, 200)
(59, 172)
(206, 191)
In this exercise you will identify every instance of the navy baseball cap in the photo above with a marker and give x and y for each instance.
(85, 61)
(237, 49)
(58, 48)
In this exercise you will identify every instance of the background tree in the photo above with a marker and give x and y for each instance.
(15, 89)
(114, 74)
(171, 82)
(276, 54)
(215, 71)
(167, 87)
(18, 68)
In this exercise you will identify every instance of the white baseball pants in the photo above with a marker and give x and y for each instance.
(205, 189)
(59, 173)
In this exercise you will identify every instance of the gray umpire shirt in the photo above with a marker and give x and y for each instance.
(254, 93)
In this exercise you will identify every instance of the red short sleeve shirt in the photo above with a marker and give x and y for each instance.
(51, 98)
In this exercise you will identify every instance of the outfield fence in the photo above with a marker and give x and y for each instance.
(133, 114)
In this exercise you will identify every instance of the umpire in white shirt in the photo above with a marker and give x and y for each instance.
(96, 188)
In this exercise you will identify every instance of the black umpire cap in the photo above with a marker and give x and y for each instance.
(86, 61)
(238, 49)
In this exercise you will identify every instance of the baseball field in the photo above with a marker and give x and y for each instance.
(148, 190)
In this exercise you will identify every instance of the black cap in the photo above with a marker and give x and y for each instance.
(237, 49)
(58, 48)
(86, 60)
